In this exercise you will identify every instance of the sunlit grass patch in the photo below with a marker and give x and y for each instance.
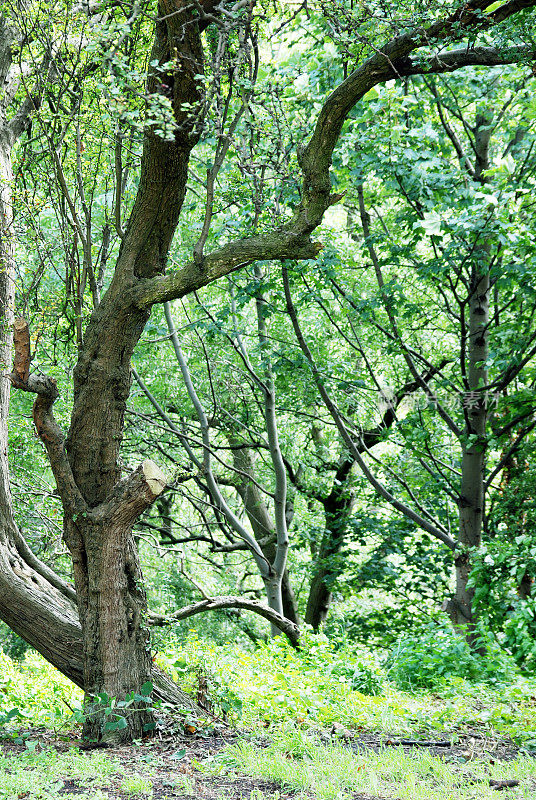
(335, 772)
(44, 774)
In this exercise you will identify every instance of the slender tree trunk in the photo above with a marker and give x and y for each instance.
(263, 527)
(473, 454)
(7, 315)
(474, 446)
(290, 603)
(328, 564)
(278, 564)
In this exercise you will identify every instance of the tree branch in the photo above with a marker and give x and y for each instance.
(229, 601)
(132, 496)
(451, 60)
(42, 569)
(435, 530)
(262, 563)
(46, 426)
(282, 244)
(292, 241)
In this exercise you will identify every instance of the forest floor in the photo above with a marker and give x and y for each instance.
(303, 733)
(331, 764)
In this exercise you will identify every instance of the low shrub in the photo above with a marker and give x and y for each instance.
(438, 653)
(40, 692)
(321, 683)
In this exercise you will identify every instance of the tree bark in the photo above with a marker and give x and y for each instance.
(263, 526)
(474, 442)
(337, 508)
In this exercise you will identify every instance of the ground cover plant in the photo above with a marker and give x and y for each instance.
(326, 723)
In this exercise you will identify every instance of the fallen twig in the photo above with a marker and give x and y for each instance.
(500, 785)
(416, 743)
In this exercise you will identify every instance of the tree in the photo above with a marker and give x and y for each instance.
(235, 450)
(474, 269)
(99, 506)
(29, 590)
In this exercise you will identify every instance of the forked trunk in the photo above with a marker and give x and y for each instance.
(109, 584)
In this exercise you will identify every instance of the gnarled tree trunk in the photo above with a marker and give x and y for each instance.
(109, 585)
(99, 508)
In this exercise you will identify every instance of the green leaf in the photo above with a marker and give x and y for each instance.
(372, 94)
(140, 698)
(116, 725)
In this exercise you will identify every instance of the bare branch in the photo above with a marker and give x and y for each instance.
(47, 428)
(229, 601)
(215, 492)
(436, 530)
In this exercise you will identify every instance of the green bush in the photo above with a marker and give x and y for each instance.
(36, 688)
(321, 683)
(499, 568)
(437, 653)
(11, 644)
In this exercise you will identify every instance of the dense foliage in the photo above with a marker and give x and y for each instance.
(345, 426)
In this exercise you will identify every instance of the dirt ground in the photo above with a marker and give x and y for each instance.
(175, 775)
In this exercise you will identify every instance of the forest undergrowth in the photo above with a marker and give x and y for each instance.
(330, 722)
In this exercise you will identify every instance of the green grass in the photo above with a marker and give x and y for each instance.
(334, 772)
(41, 776)
(289, 697)
(137, 786)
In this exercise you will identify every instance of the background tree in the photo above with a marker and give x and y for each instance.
(458, 255)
